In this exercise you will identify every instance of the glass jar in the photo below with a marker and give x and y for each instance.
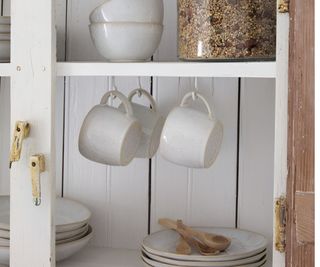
(227, 29)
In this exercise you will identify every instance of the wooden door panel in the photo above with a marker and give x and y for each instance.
(300, 187)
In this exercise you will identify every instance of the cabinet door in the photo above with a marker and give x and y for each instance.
(300, 188)
(32, 94)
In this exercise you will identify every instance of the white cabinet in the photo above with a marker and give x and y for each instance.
(238, 191)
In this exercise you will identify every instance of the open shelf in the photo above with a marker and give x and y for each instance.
(169, 69)
(106, 257)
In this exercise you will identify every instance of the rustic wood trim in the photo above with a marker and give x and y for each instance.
(300, 130)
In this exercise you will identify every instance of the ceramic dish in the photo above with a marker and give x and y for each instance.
(152, 263)
(70, 215)
(5, 28)
(5, 20)
(74, 238)
(4, 57)
(63, 251)
(4, 242)
(70, 234)
(4, 234)
(127, 10)
(126, 42)
(4, 36)
(244, 244)
(252, 259)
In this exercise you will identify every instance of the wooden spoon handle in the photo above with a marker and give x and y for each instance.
(168, 223)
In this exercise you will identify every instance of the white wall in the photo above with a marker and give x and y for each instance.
(231, 192)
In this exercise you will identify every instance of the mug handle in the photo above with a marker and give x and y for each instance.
(123, 99)
(195, 96)
(140, 92)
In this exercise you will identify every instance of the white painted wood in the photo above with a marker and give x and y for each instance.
(255, 208)
(281, 118)
(98, 257)
(169, 69)
(61, 10)
(32, 95)
(4, 135)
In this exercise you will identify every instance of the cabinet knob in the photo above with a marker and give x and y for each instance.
(21, 131)
(37, 166)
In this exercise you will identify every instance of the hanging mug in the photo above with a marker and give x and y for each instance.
(191, 138)
(109, 136)
(151, 122)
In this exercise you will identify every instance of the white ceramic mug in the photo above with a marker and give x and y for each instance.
(191, 138)
(108, 135)
(151, 122)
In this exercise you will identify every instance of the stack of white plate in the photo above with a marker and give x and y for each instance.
(72, 229)
(5, 25)
(247, 249)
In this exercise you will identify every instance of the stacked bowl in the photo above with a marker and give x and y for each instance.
(247, 249)
(5, 25)
(72, 229)
(127, 30)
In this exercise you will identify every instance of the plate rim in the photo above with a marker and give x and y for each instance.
(171, 255)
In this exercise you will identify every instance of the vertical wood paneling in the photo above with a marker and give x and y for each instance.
(179, 192)
(301, 134)
(4, 122)
(33, 87)
(255, 206)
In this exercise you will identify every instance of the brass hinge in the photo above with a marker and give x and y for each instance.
(283, 6)
(280, 224)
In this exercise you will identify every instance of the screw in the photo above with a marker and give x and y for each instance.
(18, 68)
(33, 164)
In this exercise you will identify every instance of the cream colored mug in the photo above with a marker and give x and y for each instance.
(191, 138)
(109, 136)
(151, 122)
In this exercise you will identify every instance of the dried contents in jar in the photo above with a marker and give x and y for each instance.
(227, 29)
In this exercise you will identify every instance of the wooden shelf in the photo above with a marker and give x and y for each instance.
(106, 257)
(169, 69)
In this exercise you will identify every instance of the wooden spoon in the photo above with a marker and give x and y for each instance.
(218, 242)
(203, 249)
(183, 247)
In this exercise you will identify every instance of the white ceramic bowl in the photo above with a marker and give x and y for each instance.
(123, 42)
(4, 51)
(5, 28)
(5, 20)
(128, 11)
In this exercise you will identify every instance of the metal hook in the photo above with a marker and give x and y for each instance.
(139, 82)
(196, 84)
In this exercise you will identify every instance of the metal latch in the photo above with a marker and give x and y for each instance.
(21, 131)
(37, 166)
(283, 6)
(280, 224)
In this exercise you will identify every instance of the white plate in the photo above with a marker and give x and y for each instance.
(73, 233)
(5, 28)
(4, 234)
(252, 259)
(5, 20)
(243, 244)
(63, 251)
(74, 238)
(70, 215)
(5, 36)
(4, 242)
(153, 263)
